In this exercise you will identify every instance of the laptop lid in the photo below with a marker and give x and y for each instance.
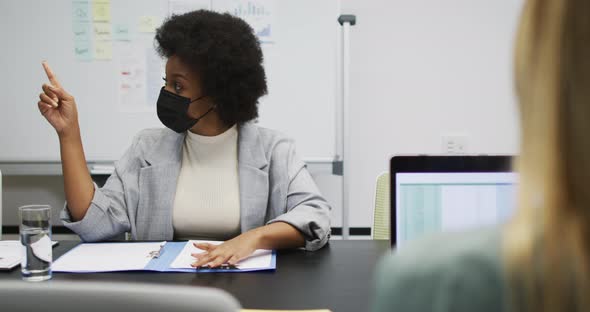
(433, 194)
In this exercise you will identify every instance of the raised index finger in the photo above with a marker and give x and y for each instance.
(51, 76)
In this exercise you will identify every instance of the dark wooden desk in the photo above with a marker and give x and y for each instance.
(337, 277)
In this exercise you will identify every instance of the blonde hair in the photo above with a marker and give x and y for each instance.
(547, 244)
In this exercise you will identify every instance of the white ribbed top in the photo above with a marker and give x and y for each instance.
(207, 202)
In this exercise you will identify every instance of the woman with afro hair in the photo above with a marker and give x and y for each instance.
(211, 173)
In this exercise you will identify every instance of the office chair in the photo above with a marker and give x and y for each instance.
(381, 212)
(76, 296)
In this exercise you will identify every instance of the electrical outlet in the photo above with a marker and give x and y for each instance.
(454, 144)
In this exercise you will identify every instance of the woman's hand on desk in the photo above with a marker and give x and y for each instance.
(57, 105)
(278, 235)
(231, 252)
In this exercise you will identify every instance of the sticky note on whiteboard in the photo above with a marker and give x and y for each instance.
(102, 31)
(81, 31)
(103, 50)
(81, 11)
(121, 32)
(148, 23)
(101, 10)
(83, 50)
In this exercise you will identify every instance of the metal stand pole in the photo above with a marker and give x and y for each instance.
(346, 21)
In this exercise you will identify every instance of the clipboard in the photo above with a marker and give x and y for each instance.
(155, 257)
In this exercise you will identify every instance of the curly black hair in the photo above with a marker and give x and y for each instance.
(225, 52)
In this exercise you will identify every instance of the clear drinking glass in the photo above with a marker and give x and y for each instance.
(35, 238)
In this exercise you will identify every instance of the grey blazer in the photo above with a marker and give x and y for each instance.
(138, 197)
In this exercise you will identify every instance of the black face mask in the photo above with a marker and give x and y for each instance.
(173, 111)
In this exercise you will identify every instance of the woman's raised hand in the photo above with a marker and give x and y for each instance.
(57, 105)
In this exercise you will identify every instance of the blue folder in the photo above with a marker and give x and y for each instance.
(168, 254)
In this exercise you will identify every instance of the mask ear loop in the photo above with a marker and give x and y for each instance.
(199, 118)
(205, 114)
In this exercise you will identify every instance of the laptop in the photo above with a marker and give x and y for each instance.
(434, 194)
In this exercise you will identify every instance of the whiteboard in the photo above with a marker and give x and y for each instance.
(300, 62)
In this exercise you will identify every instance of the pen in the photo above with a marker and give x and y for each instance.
(225, 266)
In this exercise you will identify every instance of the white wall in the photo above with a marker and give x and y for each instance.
(422, 69)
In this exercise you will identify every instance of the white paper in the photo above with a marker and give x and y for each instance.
(156, 70)
(106, 257)
(132, 79)
(11, 253)
(260, 259)
(42, 248)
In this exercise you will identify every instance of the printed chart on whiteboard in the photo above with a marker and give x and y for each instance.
(259, 14)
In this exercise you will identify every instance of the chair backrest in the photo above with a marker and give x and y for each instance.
(382, 211)
(70, 296)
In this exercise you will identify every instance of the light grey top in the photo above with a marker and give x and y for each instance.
(458, 272)
(207, 201)
(274, 186)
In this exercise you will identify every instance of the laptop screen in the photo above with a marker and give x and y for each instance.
(431, 202)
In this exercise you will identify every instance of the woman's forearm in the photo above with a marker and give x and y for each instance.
(59, 108)
(77, 181)
(279, 235)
